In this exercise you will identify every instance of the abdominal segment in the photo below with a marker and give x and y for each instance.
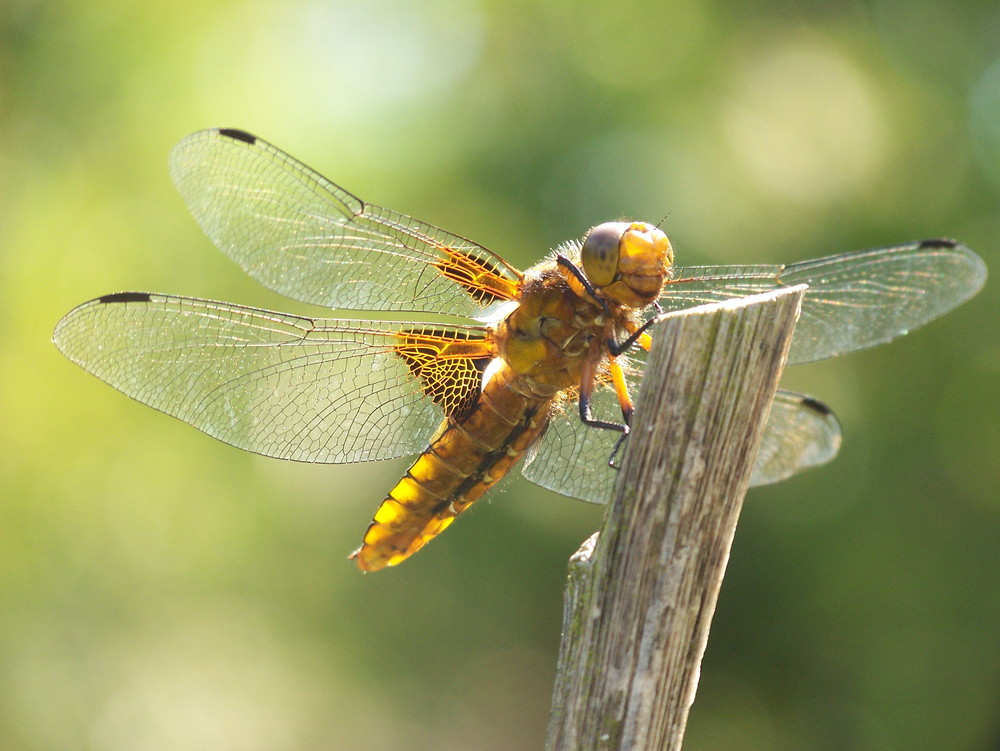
(464, 459)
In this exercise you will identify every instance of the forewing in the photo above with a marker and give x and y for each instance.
(306, 389)
(572, 458)
(855, 300)
(299, 234)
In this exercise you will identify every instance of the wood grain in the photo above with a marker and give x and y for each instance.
(641, 593)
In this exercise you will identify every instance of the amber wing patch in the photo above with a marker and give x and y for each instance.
(477, 276)
(449, 365)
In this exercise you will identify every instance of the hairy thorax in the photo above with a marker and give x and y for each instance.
(551, 334)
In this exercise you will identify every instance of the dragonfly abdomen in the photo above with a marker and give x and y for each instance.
(465, 458)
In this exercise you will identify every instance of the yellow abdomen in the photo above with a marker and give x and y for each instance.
(464, 459)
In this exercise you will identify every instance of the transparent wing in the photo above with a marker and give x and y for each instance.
(801, 432)
(855, 300)
(299, 234)
(572, 458)
(306, 389)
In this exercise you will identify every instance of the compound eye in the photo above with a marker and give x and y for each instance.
(599, 254)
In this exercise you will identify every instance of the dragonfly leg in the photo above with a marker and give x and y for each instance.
(624, 401)
(575, 270)
(613, 459)
(588, 419)
(616, 348)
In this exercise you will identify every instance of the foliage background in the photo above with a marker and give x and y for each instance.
(160, 591)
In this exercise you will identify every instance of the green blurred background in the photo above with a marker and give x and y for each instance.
(162, 591)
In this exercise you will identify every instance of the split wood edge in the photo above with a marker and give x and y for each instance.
(641, 593)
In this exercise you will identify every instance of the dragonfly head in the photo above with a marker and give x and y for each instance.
(627, 261)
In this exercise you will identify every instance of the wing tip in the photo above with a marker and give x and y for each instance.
(238, 135)
(120, 297)
(938, 242)
(816, 405)
(977, 271)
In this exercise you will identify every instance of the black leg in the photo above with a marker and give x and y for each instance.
(588, 418)
(623, 428)
(582, 278)
(617, 348)
(612, 460)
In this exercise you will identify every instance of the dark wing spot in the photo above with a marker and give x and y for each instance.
(939, 243)
(816, 405)
(125, 297)
(239, 135)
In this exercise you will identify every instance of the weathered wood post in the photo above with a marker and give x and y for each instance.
(641, 593)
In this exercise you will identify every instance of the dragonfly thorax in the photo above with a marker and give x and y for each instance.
(551, 334)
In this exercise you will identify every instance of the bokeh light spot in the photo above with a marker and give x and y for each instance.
(805, 123)
(984, 117)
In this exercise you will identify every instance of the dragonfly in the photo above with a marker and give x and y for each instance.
(536, 370)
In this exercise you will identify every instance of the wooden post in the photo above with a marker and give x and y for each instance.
(642, 592)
